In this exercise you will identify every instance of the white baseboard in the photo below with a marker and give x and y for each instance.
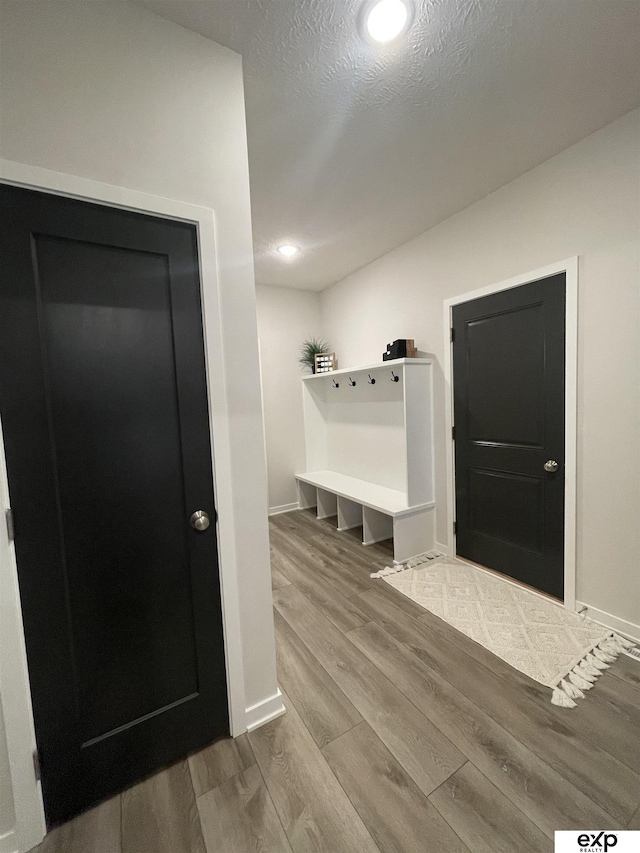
(621, 626)
(278, 510)
(265, 711)
(444, 549)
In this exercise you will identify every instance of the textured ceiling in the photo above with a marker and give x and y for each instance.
(354, 149)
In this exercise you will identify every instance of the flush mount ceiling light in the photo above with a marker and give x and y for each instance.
(287, 250)
(385, 20)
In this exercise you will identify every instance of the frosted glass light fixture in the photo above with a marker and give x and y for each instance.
(287, 250)
(386, 20)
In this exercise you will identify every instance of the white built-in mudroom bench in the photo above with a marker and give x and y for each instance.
(369, 452)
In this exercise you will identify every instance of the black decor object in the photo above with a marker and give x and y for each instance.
(402, 348)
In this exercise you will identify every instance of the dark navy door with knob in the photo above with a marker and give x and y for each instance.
(104, 410)
(509, 414)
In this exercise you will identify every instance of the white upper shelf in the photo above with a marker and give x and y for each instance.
(367, 368)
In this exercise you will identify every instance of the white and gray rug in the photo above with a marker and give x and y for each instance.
(552, 645)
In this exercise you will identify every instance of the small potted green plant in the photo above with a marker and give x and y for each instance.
(308, 351)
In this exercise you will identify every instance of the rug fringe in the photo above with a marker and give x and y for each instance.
(578, 680)
(595, 662)
(413, 563)
(603, 656)
(572, 690)
(588, 670)
(561, 699)
(388, 570)
(585, 673)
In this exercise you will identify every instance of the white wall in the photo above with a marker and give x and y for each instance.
(586, 202)
(286, 318)
(111, 92)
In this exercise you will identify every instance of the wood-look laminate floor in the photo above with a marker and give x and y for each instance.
(402, 736)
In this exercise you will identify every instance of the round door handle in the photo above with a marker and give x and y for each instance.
(199, 520)
(551, 465)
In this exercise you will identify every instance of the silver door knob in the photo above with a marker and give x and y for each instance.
(551, 465)
(199, 520)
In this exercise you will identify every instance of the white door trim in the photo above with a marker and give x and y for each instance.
(570, 267)
(28, 826)
(14, 691)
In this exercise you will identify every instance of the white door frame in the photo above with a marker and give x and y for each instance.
(14, 684)
(570, 267)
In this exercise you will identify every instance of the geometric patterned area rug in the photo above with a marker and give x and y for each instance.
(552, 645)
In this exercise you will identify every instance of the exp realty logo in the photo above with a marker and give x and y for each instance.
(590, 841)
(597, 841)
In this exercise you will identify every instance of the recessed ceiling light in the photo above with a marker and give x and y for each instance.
(288, 250)
(386, 19)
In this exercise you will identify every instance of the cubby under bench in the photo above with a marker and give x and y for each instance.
(381, 512)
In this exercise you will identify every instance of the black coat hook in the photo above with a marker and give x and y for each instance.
(372, 381)
(394, 378)
(352, 382)
(336, 384)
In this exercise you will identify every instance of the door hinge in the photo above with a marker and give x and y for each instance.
(453, 433)
(11, 531)
(453, 334)
(455, 527)
(36, 765)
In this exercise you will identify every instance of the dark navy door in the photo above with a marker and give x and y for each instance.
(509, 381)
(103, 402)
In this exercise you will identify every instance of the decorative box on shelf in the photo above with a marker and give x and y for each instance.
(325, 362)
